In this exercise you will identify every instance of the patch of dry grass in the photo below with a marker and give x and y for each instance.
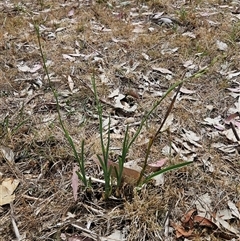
(43, 159)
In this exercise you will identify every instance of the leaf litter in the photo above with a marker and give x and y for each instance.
(136, 51)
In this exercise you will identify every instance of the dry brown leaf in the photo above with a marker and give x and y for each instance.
(155, 166)
(221, 45)
(6, 190)
(70, 83)
(220, 222)
(7, 154)
(186, 218)
(202, 221)
(180, 231)
(234, 209)
(75, 182)
(133, 93)
(162, 70)
(230, 134)
(71, 13)
(129, 175)
(187, 91)
(231, 117)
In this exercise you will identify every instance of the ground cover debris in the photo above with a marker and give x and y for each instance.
(135, 50)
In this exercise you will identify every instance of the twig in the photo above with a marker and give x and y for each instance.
(85, 230)
(157, 133)
(15, 228)
(32, 198)
(234, 131)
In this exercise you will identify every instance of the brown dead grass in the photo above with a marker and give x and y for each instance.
(44, 207)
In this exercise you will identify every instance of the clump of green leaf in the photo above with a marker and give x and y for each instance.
(127, 144)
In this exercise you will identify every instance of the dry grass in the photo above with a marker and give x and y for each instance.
(43, 159)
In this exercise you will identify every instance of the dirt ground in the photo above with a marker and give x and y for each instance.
(135, 50)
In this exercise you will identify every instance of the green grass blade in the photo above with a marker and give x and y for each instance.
(167, 169)
(67, 135)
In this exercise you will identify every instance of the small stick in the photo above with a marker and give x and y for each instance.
(15, 228)
(234, 131)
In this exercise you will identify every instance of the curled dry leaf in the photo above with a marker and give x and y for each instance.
(153, 167)
(114, 93)
(220, 222)
(189, 34)
(71, 13)
(187, 91)
(180, 231)
(158, 180)
(231, 75)
(231, 117)
(70, 83)
(145, 56)
(129, 175)
(162, 70)
(7, 188)
(119, 103)
(68, 57)
(221, 45)
(191, 137)
(224, 148)
(75, 182)
(206, 159)
(234, 210)
(7, 153)
(215, 222)
(189, 65)
(132, 93)
(230, 135)
(186, 218)
(203, 204)
(168, 122)
(202, 221)
(215, 122)
(25, 68)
